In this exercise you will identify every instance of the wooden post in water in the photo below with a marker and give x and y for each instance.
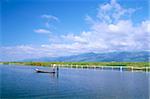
(121, 68)
(71, 65)
(67, 66)
(132, 68)
(86, 66)
(146, 69)
(102, 67)
(57, 69)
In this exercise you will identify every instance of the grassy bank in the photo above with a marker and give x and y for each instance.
(115, 65)
(133, 64)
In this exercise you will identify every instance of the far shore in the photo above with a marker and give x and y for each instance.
(142, 66)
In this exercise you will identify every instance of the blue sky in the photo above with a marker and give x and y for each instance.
(42, 28)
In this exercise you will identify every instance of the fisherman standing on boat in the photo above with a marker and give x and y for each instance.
(54, 67)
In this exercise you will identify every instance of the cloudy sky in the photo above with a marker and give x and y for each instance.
(50, 28)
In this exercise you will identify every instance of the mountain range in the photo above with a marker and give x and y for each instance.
(142, 56)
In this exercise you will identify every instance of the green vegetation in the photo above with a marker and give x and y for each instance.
(89, 64)
(144, 66)
(136, 64)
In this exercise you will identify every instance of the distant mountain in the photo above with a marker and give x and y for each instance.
(142, 56)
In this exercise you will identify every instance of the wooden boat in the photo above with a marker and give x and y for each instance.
(43, 71)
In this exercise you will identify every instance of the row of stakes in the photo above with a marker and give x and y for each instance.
(121, 68)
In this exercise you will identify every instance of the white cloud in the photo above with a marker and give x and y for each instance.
(49, 19)
(48, 24)
(112, 12)
(111, 30)
(42, 31)
(74, 38)
(22, 52)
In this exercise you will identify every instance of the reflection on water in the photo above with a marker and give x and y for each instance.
(24, 82)
(54, 75)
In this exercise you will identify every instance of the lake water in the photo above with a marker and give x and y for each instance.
(23, 82)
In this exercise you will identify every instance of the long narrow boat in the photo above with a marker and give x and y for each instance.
(43, 71)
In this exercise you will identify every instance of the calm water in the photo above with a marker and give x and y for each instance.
(23, 82)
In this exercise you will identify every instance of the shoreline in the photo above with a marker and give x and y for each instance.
(128, 66)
